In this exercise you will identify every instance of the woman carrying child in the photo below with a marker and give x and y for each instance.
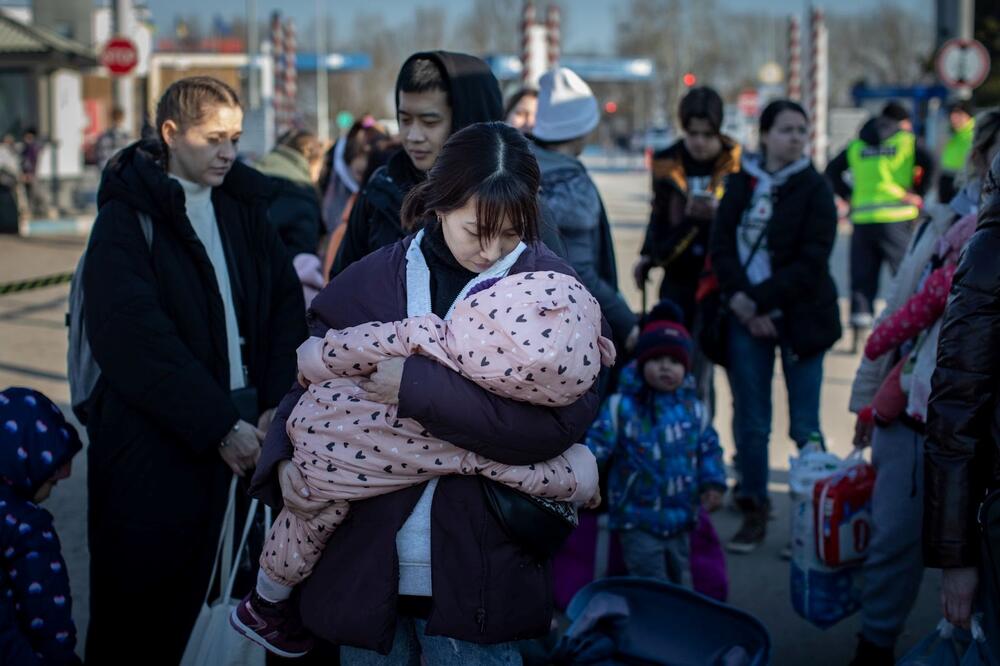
(428, 570)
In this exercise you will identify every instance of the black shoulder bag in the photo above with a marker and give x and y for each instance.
(538, 525)
(713, 338)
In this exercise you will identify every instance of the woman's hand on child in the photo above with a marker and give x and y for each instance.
(295, 492)
(594, 501)
(711, 499)
(383, 384)
(240, 449)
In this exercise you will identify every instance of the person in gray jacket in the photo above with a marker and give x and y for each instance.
(567, 113)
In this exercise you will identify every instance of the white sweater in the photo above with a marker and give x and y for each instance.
(201, 214)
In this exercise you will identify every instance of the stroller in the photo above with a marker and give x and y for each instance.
(644, 621)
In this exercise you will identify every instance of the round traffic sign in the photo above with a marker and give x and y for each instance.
(120, 55)
(963, 63)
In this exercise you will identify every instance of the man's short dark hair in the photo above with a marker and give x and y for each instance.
(962, 105)
(421, 75)
(702, 103)
(895, 111)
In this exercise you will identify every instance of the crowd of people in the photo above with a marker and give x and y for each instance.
(416, 348)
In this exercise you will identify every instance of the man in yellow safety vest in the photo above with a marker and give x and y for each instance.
(889, 173)
(956, 150)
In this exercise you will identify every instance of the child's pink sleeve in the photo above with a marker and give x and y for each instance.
(922, 310)
(570, 477)
(355, 351)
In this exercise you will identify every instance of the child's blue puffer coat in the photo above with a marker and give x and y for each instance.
(663, 454)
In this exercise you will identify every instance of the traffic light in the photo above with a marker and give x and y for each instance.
(689, 79)
(610, 107)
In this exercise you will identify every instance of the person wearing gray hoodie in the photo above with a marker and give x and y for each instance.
(567, 113)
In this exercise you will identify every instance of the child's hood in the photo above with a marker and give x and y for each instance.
(532, 333)
(35, 440)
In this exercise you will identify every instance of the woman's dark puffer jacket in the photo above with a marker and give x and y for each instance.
(800, 239)
(963, 420)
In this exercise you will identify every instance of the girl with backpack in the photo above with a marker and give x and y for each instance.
(195, 334)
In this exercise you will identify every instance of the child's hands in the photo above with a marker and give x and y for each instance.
(711, 499)
(594, 501)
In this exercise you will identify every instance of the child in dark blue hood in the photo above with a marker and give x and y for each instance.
(36, 448)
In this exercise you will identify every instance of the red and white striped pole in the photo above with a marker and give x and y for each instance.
(278, 56)
(291, 75)
(527, 21)
(794, 59)
(818, 86)
(553, 37)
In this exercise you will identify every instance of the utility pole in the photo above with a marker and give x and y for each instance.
(253, 71)
(322, 100)
(122, 23)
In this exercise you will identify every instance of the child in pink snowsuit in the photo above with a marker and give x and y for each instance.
(534, 337)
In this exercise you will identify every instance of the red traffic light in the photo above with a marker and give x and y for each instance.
(689, 79)
(610, 107)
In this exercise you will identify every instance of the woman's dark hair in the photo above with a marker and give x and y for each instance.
(186, 101)
(771, 111)
(516, 98)
(702, 103)
(491, 162)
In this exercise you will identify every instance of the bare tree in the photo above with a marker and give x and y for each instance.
(491, 26)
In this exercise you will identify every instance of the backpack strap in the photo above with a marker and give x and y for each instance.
(146, 224)
(614, 405)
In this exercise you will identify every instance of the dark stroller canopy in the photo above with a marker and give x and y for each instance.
(646, 621)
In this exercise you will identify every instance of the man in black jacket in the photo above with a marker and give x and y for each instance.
(437, 94)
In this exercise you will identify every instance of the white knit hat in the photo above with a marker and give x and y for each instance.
(567, 108)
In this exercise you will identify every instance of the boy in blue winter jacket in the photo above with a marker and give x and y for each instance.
(664, 455)
(36, 447)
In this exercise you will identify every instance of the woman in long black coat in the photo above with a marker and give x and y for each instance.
(195, 335)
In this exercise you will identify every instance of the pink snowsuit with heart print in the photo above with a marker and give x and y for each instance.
(534, 337)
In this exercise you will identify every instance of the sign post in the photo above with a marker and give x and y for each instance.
(963, 64)
(120, 55)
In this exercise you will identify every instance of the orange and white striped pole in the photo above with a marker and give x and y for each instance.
(553, 37)
(818, 86)
(794, 59)
(527, 21)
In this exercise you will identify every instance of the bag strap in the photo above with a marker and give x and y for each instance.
(756, 245)
(146, 224)
(614, 404)
(228, 526)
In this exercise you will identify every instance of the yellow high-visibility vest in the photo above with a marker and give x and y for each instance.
(956, 151)
(882, 175)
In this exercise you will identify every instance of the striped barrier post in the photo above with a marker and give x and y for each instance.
(818, 87)
(553, 36)
(794, 59)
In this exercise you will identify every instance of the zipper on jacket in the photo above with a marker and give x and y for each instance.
(481, 611)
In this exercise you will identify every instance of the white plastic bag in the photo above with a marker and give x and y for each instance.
(213, 642)
(821, 594)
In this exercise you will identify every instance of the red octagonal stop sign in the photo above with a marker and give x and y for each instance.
(120, 55)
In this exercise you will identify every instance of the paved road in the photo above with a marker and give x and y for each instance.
(33, 353)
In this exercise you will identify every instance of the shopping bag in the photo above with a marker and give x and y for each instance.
(822, 594)
(213, 642)
(843, 514)
(978, 652)
(708, 561)
(942, 647)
